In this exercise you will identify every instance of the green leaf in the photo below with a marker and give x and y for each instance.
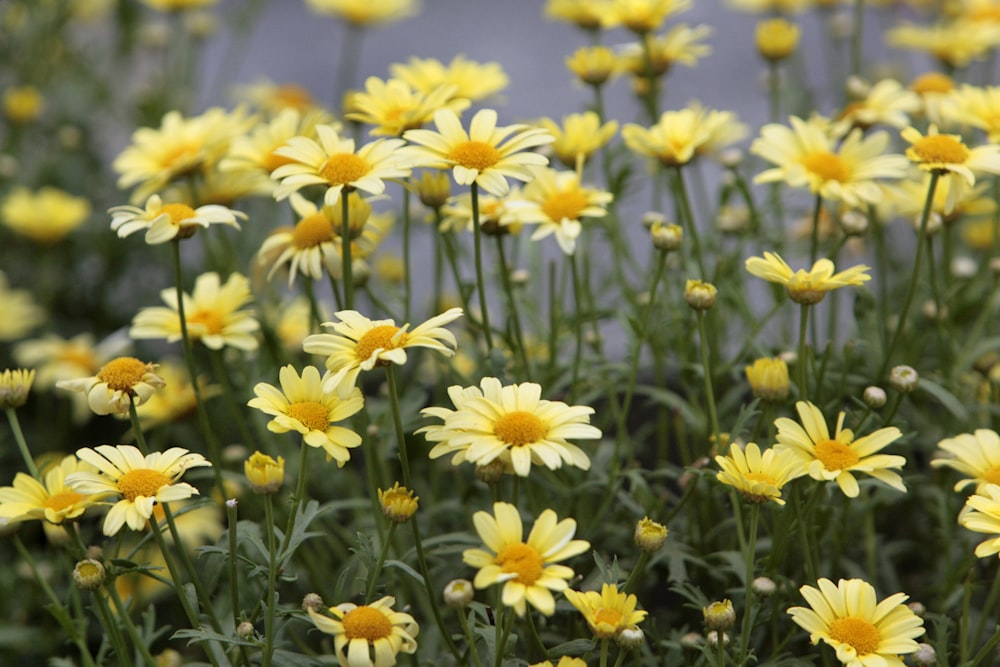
(203, 635)
(946, 398)
(400, 565)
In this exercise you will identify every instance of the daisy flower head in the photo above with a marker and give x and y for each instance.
(838, 457)
(486, 155)
(591, 15)
(975, 454)
(15, 385)
(312, 405)
(527, 570)
(213, 312)
(360, 344)
(886, 102)
(20, 312)
(166, 222)
(274, 98)
(369, 635)
(49, 500)
(758, 476)
(682, 45)
(864, 631)
(45, 215)
(120, 384)
(141, 481)
(393, 106)
(472, 80)
(332, 161)
(947, 155)
(954, 44)
(254, 152)
(512, 424)
(560, 202)
(364, 13)
(645, 16)
(680, 136)
(981, 514)
(976, 106)
(806, 287)
(579, 136)
(497, 215)
(608, 612)
(594, 65)
(306, 247)
(807, 155)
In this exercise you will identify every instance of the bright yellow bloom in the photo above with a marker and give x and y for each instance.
(121, 383)
(312, 405)
(368, 636)
(360, 344)
(589, 15)
(14, 387)
(166, 222)
(975, 454)
(768, 379)
(864, 631)
(777, 38)
(46, 215)
(949, 157)
(265, 474)
(608, 612)
(398, 503)
(51, 500)
(472, 80)
(594, 65)
(20, 312)
(680, 136)
(906, 199)
(565, 661)
(645, 16)
(758, 476)
(213, 313)
(558, 204)
(954, 44)
(255, 152)
(497, 215)
(510, 423)
(887, 102)
(22, 104)
(580, 136)
(976, 106)
(273, 98)
(981, 514)
(681, 44)
(176, 399)
(363, 13)
(806, 287)
(140, 481)
(528, 570)
(836, 458)
(649, 535)
(394, 107)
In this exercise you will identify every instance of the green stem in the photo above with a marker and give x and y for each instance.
(140, 437)
(234, 589)
(986, 611)
(133, 632)
(300, 490)
(383, 552)
(535, 637)
(188, 565)
(814, 230)
(713, 417)
(432, 595)
(345, 250)
(480, 279)
(515, 315)
(604, 652)
(680, 191)
(272, 583)
(397, 418)
(227, 389)
(22, 445)
(578, 351)
(749, 557)
(470, 638)
(636, 573)
(504, 621)
(407, 288)
(803, 363)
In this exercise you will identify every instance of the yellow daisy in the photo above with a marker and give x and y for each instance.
(981, 514)
(594, 65)
(473, 81)
(948, 156)
(50, 500)
(485, 155)
(758, 476)
(212, 311)
(806, 287)
(46, 215)
(20, 312)
(559, 204)
(955, 44)
(864, 631)
(976, 106)
(681, 44)
(497, 215)
(906, 199)
(680, 136)
(120, 383)
(15, 385)
(975, 454)
(528, 570)
(165, 222)
(511, 423)
(331, 161)
(311, 405)
(886, 102)
(176, 399)
(255, 151)
(394, 107)
(805, 155)
(565, 661)
(589, 15)
(140, 480)
(837, 458)
(608, 612)
(364, 12)
(578, 137)
(360, 344)
(768, 379)
(273, 98)
(645, 16)
(370, 635)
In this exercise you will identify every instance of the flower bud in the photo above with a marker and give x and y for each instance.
(398, 503)
(691, 640)
(776, 39)
(874, 397)
(763, 586)
(649, 535)
(458, 593)
(768, 378)
(903, 379)
(855, 223)
(265, 474)
(88, 574)
(313, 601)
(169, 658)
(700, 295)
(14, 387)
(925, 655)
(433, 188)
(630, 638)
(490, 473)
(712, 638)
(719, 615)
(245, 630)
(666, 236)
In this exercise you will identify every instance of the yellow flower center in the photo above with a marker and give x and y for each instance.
(142, 482)
(761, 477)
(62, 500)
(314, 416)
(835, 455)
(857, 632)
(123, 373)
(343, 168)
(210, 319)
(272, 161)
(610, 616)
(940, 148)
(311, 231)
(290, 95)
(366, 623)
(992, 475)
(932, 82)
(475, 155)
(522, 559)
(565, 205)
(378, 338)
(519, 428)
(828, 166)
(178, 212)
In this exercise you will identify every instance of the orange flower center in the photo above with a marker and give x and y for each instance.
(857, 632)
(378, 338)
(932, 82)
(992, 475)
(209, 319)
(522, 559)
(62, 500)
(178, 212)
(123, 373)
(835, 455)
(142, 482)
(366, 623)
(519, 428)
(343, 168)
(314, 416)
(475, 155)
(828, 166)
(761, 477)
(311, 231)
(565, 205)
(940, 148)
(610, 616)
(290, 95)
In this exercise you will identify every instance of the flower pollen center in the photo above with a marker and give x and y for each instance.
(343, 168)
(992, 475)
(211, 321)
(835, 455)
(566, 205)
(366, 623)
(857, 632)
(123, 373)
(312, 231)
(178, 213)
(476, 155)
(314, 416)
(519, 428)
(142, 482)
(522, 559)
(611, 617)
(761, 477)
(379, 338)
(62, 500)
(828, 166)
(940, 148)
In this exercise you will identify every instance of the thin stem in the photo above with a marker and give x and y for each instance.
(133, 632)
(345, 250)
(814, 230)
(272, 582)
(397, 418)
(680, 191)
(578, 351)
(22, 445)
(803, 351)
(470, 638)
(515, 315)
(300, 490)
(604, 652)
(480, 280)
(407, 288)
(199, 588)
(140, 437)
(749, 557)
(633, 576)
(383, 552)
(432, 595)
(713, 417)
(234, 589)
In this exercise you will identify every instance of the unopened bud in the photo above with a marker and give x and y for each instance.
(712, 638)
(874, 397)
(666, 236)
(903, 379)
(630, 638)
(763, 586)
(245, 630)
(88, 574)
(313, 601)
(649, 535)
(491, 472)
(458, 593)
(719, 615)
(855, 223)
(699, 294)
(925, 655)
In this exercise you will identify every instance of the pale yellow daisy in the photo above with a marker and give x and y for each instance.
(369, 635)
(497, 215)
(608, 612)
(682, 44)
(806, 287)
(947, 156)
(680, 136)
(472, 80)
(594, 65)
(20, 312)
(886, 102)
(975, 106)
(645, 16)
(273, 98)
(528, 571)
(393, 106)
(981, 514)
(15, 385)
(955, 44)
(559, 204)
(120, 384)
(976, 455)
(45, 215)
(49, 500)
(589, 15)
(165, 222)
(365, 13)
(255, 151)
(758, 476)
(578, 136)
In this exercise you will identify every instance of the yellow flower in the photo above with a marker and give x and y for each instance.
(165, 222)
(497, 215)
(906, 199)
(274, 98)
(758, 476)
(265, 474)
(121, 383)
(394, 107)
(770, 6)
(528, 570)
(777, 38)
(332, 161)
(805, 287)
(978, 107)
(472, 80)
(837, 458)
(20, 313)
(948, 156)
(649, 535)
(768, 379)
(645, 16)
(255, 152)
(485, 155)
(362, 13)
(212, 312)
(140, 481)
(681, 44)
(608, 612)
(975, 454)
(14, 387)
(177, 5)
(511, 423)
(719, 615)
(981, 514)
(398, 503)
(885, 103)
(176, 399)
(559, 202)
(22, 104)
(46, 215)
(586, 14)
(50, 500)
(565, 661)
(370, 635)
(864, 631)
(360, 344)
(805, 155)
(679, 136)
(580, 136)
(312, 405)
(594, 65)
(955, 44)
